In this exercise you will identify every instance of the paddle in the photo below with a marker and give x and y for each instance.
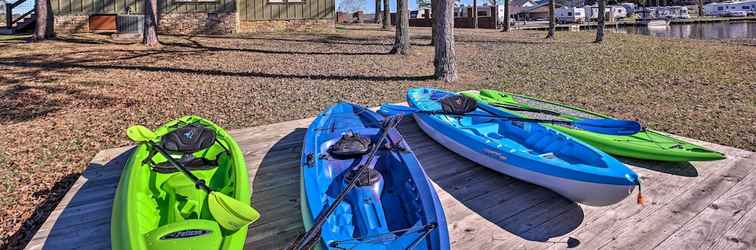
(517, 108)
(308, 240)
(230, 213)
(602, 126)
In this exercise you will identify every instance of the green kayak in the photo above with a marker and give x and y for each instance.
(156, 206)
(646, 145)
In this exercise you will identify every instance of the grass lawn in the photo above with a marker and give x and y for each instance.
(62, 101)
(14, 38)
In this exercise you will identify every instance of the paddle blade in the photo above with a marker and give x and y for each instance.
(230, 213)
(609, 126)
(393, 109)
(139, 133)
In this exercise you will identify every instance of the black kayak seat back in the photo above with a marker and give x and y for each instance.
(185, 141)
(350, 145)
(188, 139)
(458, 104)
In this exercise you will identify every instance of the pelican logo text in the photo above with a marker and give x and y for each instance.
(185, 234)
(495, 154)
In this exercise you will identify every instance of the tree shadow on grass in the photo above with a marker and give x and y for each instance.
(531, 212)
(52, 65)
(324, 39)
(196, 45)
(24, 102)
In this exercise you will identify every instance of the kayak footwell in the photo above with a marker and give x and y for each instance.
(485, 209)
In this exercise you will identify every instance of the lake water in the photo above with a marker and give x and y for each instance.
(708, 31)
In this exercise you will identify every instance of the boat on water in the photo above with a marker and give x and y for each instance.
(654, 23)
(525, 150)
(393, 205)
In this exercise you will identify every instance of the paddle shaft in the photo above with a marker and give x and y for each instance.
(516, 108)
(501, 117)
(197, 181)
(314, 233)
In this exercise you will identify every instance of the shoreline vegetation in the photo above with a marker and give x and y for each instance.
(66, 99)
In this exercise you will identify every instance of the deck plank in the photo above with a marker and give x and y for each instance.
(720, 215)
(484, 209)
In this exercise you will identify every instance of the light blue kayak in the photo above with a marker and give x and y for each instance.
(527, 151)
(393, 206)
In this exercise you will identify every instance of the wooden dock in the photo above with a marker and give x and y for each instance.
(688, 206)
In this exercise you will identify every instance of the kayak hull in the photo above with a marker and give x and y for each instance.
(645, 145)
(589, 193)
(391, 211)
(164, 210)
(527, 151)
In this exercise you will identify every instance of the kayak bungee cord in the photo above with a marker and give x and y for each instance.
(426, 229)
(308, 240)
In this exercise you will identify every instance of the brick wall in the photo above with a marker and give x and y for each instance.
(198, 23)
(320, 25)
(71, 24)
(206, 23)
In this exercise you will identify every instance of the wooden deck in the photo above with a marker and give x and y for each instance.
(688, 206)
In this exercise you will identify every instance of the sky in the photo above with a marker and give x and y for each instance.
(369, 5)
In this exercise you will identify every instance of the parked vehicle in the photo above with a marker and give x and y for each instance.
(570, 15)
(735, 13)
(736, 8)
(672, 12)
(611, 12)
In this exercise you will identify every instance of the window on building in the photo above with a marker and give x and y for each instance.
(569, 13)
(746, 7)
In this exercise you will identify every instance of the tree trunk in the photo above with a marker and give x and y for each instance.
(433, 26)
(552, 20)
(475, 14)
(402, 40)
(150, 24)
(444, 59)
(700, 8)
(600, 21)
(386, 13)
(377, 11)
(506, 16)
(495, 14)
(43, 28)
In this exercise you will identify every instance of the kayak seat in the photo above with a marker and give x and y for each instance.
(351, 145)
(188, 139)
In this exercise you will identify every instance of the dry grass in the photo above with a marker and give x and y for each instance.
(62, 101)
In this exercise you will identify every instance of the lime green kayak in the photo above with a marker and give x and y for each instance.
(646, 145)
(157, 207)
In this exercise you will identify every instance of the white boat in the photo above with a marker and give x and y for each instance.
(654, 23)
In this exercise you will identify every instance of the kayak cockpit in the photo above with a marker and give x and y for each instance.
(527, 138)
(385, 210)
(172, 212)
(380, 209)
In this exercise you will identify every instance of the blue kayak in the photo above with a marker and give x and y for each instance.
(393, 206)
(527, 151)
